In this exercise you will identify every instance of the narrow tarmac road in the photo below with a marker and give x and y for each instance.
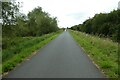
(61, 58)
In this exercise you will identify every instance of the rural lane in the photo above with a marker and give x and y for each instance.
(61, 58)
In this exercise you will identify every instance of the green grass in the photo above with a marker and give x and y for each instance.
(22, 48)
(103, 51)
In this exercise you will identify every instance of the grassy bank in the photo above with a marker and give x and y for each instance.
(103, 52)
(22, 48)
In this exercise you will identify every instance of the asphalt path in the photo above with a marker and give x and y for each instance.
(61, 58)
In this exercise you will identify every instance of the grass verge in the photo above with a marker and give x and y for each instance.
(22, 49)
(104, 52)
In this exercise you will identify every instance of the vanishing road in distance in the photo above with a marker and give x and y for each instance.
(61, 58)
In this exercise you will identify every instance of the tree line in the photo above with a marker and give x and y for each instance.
(103, 25)
(16, 24)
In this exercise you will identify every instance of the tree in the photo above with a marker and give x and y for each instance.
(41, 23)
(9, 12)
(103, 24)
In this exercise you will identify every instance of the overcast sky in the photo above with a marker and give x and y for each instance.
(71, 12)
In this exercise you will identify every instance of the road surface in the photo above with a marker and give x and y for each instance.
(61, 58)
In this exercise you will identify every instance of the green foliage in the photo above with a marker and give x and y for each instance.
(102, 50)
(76, 27)
(106, 64)
(42, 22)
(103, 24)
(36, 23)
(9, 12)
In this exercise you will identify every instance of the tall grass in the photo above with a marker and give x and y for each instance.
(22, 48)
(102, 50)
